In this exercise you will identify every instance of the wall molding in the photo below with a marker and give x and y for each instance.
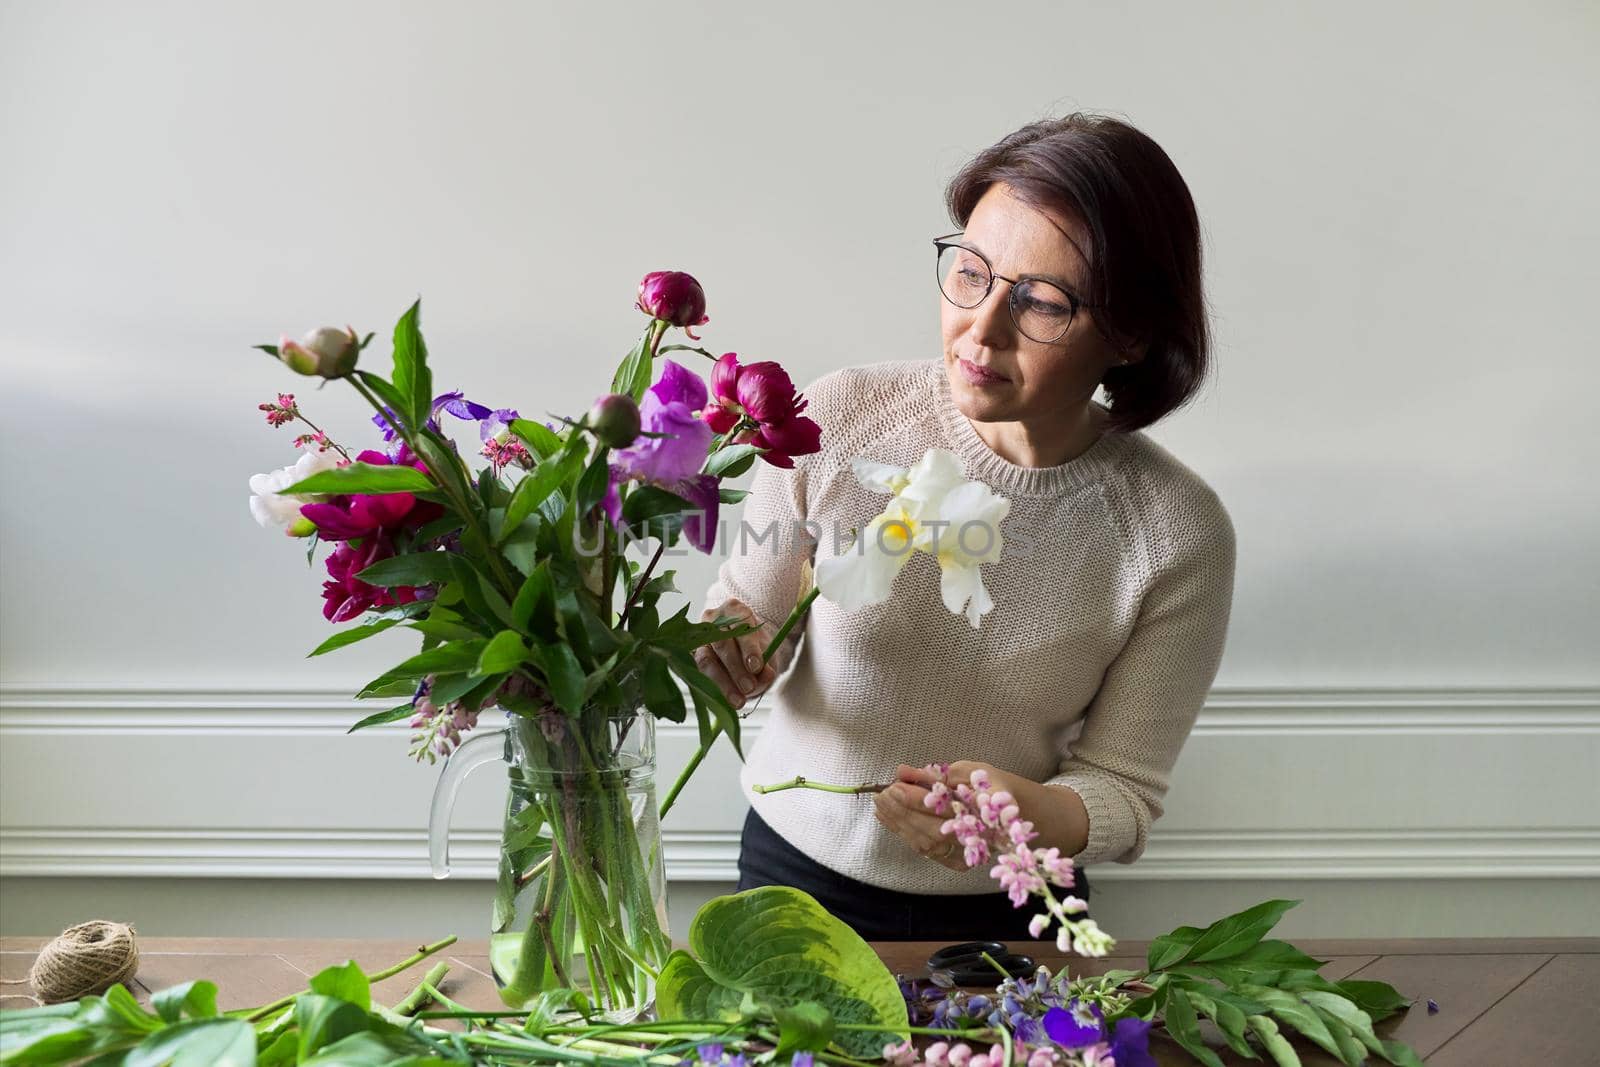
(712, 856)
(1455, 737)
(1228, 710)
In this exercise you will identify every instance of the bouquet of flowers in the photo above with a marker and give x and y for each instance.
(509, 561)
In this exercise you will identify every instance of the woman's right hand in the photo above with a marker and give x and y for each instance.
(735, 664)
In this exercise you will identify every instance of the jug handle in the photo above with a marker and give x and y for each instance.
(484, 748)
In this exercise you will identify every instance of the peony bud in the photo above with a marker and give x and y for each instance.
(301, 527)
(673, 297)
(614, 419)
(322, 353)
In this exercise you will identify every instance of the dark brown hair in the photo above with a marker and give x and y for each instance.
(1144, 254)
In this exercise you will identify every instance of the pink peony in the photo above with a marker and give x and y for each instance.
(761, 393)
(345, 596)
(675, 297)
(346, 517)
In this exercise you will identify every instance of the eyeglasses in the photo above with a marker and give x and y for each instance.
(1042, 310)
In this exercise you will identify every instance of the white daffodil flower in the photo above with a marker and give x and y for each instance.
(934, 509)
(269, 506)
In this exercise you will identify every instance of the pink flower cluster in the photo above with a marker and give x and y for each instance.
(989, 826)
(961, 1054)
(439, 729)
(282, 412)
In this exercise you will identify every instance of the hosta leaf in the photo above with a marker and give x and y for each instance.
(778, 944)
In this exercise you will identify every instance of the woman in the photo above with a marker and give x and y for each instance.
(1078, 266)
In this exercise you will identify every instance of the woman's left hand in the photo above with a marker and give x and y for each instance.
(900, 807)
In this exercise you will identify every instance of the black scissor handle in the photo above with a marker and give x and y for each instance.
(966, 966)
(950, 954)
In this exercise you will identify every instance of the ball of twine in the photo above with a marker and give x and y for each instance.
(86, 959)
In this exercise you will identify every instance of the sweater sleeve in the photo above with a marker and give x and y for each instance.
(768, 547)
(1121, 763)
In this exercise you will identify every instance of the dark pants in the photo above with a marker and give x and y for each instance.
(878, 914)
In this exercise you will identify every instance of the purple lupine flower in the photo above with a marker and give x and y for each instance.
(1130, 1043)
(709, 1053)
(801, 1059)
(1073, 1029)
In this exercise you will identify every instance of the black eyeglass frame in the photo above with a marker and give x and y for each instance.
(941, 243)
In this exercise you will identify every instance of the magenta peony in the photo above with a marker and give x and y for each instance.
(761, 393)
(674, 297)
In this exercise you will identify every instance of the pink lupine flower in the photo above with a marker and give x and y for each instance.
(761, 393)
(674, 297)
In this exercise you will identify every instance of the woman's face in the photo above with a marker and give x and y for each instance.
(997, 374)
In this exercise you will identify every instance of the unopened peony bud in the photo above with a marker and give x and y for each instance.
(674, 297)
(322, 353)
(615, 420)
(301, 527)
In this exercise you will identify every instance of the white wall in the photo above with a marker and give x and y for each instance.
(1400, 230)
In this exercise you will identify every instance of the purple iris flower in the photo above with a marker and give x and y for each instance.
(1130, 1044)
(497, 421)
(1067, 1031)
(454, 402)
(669, 408)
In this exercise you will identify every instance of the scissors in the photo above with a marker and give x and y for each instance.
(966, 964)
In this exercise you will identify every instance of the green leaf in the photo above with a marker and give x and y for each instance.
(806, 1026)
(346, 981)
(724, 459)
(385, 392)
(480, 593)
(780, 945)
(412, 379)
(324, 1019)
(379, 718)
(563, 676)
(453, 658)
(1276, 1045)
(649, 511)
(1235, 934)
(1378, 999)
(592, 486)
(412, 568)
(534, 610)
(1349, 1049)
(198, 1043)
(1168, 949)
(198, 1000)
(535, 488)
(1399, 1053)
(679, 634)
(362, 478)
(1289, 1009)
(351, 636)
(1230, 1020)
(1352, 1018)
(504, 653)
(634, 372)
(708, 696)
(732, 496)
(1184, 1027)
(444, 625)
(661, 694)
(537, 436)
(1276, 955)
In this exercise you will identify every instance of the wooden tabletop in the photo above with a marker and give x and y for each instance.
(1500, 1001)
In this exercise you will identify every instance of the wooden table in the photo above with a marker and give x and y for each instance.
(1500, 1001)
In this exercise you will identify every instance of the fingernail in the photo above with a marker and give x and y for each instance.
(745, 685)
(753, 662)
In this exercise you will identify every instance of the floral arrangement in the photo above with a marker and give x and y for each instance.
(510, 562)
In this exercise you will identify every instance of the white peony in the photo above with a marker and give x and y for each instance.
(269, 505)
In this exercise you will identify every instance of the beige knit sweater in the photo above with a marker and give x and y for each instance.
(1111, 611)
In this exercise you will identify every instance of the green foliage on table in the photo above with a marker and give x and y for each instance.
(1249, 986)
(776, 948)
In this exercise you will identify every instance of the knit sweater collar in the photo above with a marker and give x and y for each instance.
(994, 470)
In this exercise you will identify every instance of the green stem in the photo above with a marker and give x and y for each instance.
(716, 732)
(422, 953)
(417, 997)
(800, 782)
